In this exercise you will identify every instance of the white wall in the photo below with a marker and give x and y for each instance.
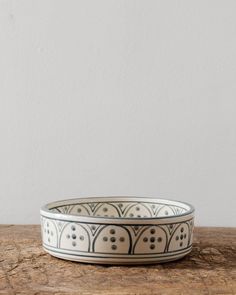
(117, 97)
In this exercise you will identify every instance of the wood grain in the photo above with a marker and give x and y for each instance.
(27, 269)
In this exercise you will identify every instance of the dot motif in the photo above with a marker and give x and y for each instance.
(48, 233)
(113, 247)
(112, 239)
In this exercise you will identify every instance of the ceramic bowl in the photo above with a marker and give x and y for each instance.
(117, 230)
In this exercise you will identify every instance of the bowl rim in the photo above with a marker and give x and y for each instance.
(45, 210)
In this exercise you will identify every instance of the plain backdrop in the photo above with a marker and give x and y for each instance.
(117, 97)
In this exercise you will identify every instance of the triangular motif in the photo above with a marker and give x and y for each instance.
(136, 229)
(92, 206)
(65, 209)
(60, 225)
(177, 210)
(156, 208)
(93, 228)
(190, 225)
(171, 228)
(121, 207)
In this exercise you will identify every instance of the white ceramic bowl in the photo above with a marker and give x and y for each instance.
(117, 230)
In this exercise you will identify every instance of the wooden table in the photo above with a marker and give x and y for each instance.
(27, 269)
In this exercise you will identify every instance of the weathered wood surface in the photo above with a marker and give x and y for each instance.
(27, 269)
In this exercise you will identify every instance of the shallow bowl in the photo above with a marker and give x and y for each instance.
(117, 230)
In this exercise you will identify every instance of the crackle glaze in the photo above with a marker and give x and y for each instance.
(117, 230)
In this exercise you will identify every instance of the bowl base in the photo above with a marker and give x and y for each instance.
(119, 260)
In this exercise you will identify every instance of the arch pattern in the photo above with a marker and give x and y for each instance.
(117, 239)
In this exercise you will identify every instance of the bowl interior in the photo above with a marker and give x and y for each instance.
(121, 207)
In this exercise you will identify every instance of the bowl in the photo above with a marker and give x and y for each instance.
(117, 230)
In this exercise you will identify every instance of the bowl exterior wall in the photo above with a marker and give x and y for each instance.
(105, 241)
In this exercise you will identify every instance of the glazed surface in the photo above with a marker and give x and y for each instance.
(121, 209)
(101, 240)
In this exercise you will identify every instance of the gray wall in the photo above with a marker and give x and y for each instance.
(117, 97)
